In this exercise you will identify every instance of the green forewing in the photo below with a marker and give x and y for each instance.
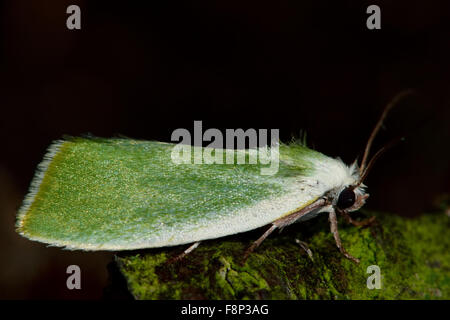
(124, 194)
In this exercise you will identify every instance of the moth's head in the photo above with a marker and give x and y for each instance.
(351, 195)
(350, 198)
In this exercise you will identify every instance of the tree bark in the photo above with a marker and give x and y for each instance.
(413, 256)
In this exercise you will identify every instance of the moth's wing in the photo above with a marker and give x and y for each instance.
(117, 194)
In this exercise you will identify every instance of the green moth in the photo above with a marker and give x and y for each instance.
(123, 194)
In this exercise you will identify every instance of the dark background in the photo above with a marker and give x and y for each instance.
(143, 70)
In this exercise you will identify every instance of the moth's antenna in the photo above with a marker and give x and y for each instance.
(390, 105)
(375, 157)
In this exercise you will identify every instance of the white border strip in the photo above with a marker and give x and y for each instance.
(35, 185)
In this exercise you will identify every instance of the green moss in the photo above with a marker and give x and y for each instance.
(413, 256)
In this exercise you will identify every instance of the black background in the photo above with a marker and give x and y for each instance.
(143, 70)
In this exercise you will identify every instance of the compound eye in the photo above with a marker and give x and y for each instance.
(346, 198)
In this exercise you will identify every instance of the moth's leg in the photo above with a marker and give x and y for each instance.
(185, 252)
(305, 247)
(334, 230)
(259, 241)
(363, 223)
(285, 221)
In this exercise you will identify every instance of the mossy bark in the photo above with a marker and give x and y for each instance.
(413, 256)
